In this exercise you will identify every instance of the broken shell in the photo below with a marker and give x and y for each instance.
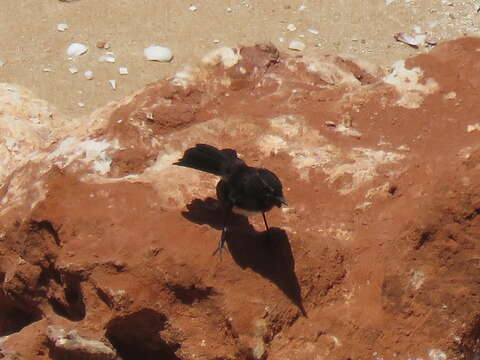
(291, 27)
(431, 41)
(192, 8)
(420, 39)
(158, 53)
(113, 84)
(473, 127)
(123, 70)
(88, 74)
(107, 58)
(406, 39)
(296, 45)
(62, 27)
(73, 70)
(313, 31)
(76, 49)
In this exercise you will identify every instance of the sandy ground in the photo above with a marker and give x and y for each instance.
(31, 44)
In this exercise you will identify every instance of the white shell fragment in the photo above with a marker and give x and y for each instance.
(113, 84)
(76, 49)
(313, 31)
(192, 8)
(158, 53)
(73, 70)
(62, 27)
(296, 45)
(47, 69)
(407, 39)
(473, 127)
(2, 63)
(88, 74)
(291, 27)
(123, 70)
(81, 104)
(107, 58)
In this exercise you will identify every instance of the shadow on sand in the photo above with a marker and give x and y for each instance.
(268, 254)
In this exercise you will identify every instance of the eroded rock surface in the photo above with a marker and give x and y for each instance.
(109, 246)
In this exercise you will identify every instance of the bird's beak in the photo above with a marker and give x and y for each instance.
(281, 201)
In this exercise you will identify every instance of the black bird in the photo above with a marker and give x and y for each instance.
(243, 189)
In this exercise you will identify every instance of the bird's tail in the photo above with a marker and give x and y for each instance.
(207, 158)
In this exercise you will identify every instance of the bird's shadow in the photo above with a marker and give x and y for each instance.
(268, 254)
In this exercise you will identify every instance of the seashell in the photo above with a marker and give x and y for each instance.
(158, 53)
(123, 70)
(313, 31)
(88, 74)
(113, 84)
(73, 70)
(107, 58)
(192, 8)
(406, 39)
(76, 49)
(296, 45)
(291, 27)
(62, 27)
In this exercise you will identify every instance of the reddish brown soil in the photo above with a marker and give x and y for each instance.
(336, 278)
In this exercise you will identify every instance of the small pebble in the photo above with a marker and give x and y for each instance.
(113, 84)
(123, 70)
(103, 45)
(73, 70)
(88, 74)
(158, 53)
(81, 104)
(62, 27)
(76, 49)
(291, 27)
(2, 63)
(47, 70)
(229, 9)
(192, 8)
(296, 45)
(301, 7)
(216, 41)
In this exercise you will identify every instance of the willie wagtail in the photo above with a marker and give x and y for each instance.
(243, 189)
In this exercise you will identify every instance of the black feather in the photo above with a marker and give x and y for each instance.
(207, 158)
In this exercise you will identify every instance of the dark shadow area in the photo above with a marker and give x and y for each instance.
(13, 318)
(72, 305)
(137, 336)
(268, 254)
(190, 294)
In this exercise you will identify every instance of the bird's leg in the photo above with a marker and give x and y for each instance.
(265, 221)
(223, 238)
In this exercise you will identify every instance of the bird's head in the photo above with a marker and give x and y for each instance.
(272, 188)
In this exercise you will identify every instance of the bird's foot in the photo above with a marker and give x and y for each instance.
(221, 245)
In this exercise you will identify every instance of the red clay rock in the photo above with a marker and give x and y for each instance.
(379, 246)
